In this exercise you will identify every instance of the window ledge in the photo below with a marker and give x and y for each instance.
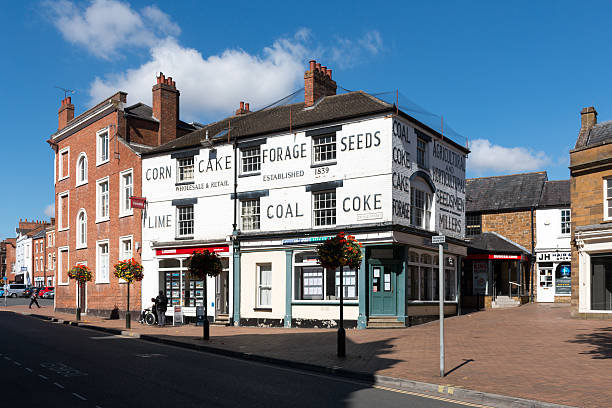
(184, 183)
(63, 229)
(424, 168)
(185, 237)
(102, 283)
(63, 284)
(262, 309)
(63, 178)
(102, 162)
(352, 302)
(331, 163)
(99, 220)
(81, 183)
(81, 247)
(126, 214)
(257, 173)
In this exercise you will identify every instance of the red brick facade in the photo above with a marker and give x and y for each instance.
(318, 83)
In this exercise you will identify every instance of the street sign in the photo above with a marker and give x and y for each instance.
(438, 239)
(138, 202)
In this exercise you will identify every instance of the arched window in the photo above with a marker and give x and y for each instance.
(82, 229)
(421, 206)
(81, 170)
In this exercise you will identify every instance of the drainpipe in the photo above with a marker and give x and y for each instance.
(531, 278)
(236, 246)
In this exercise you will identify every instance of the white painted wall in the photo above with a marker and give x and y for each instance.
(248, 284)
(548, 230)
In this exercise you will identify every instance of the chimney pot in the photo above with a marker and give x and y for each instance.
(317, 85)
(588, 117)
(68, 100)
(329, 71)
(318, 66)
(241, 105)
(312, 65)
(246, 107)
(324, 69)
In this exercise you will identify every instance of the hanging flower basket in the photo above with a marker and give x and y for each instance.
(204, 263)
(129, 270)
(340, 251)
(80, 273)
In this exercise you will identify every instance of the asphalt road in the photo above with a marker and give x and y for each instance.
(44, 364)
(25, 301)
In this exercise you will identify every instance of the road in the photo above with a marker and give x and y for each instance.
(45, 364)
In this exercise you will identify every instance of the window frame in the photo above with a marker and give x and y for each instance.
(125, 212)
(566, 222)
(60, 265)
(99, 199)
(315, 194)
(424, 143)
(261, 286)
(179, 221)
(123, 240)
(607, 200)
(99, 277)
(65, 150)
(60, 219)
(81, 181)
(179, 167)
(315, 145)
(99, 159)
(80, 244)
(427, 210)
(430, 284)
(256, 222)
(472, 227)
(248, 160)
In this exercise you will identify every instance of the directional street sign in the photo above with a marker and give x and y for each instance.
(438, 239)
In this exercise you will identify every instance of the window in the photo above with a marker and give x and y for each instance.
(422, 277)
(249, 214)
(102, 262)
(185, 221)
(125, 248)
(601, 283)
(102, 200)
(473, 224)
(421, 152)
(53, 261)
(608, 199)
(312, 282)
(64, 163)
(127, 190)
(420, 208)
(81, 170)
(63, 211)
(324, 148)
(102, 147)
(184, 169)
(42, 263)
(36, 264)
(50, 261)
(82, 229)
(63, 264)
(565, 222)
(251, 160)
(324, 208)
(264, 285)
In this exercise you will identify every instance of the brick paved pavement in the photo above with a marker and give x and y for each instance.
(536, 351)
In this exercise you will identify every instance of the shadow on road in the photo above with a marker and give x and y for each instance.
(600, 340)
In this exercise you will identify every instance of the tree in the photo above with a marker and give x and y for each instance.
(129, 270)
(334, 253)
(81, 274)
(203, 264)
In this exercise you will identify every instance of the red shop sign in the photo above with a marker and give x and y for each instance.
(189, 251)
(138, 202)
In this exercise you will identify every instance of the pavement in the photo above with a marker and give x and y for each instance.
(535, 352)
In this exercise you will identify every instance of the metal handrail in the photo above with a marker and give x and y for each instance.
(510, 283)
(494, 291)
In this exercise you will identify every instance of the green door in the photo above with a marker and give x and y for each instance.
(383, 290)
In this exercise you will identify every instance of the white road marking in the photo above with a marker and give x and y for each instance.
(43, 377)
(114, 337)
(58, 385)
(17, 363)
(82, 398)
(7, 358)
(28, 369)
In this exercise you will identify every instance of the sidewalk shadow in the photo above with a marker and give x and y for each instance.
(600, 340)
(316, 348)
(465, 361)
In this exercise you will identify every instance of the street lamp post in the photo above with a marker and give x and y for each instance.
(128, 319)
(78, 310)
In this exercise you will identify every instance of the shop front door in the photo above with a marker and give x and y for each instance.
(546, 289)
(383, 290)
(221, 293)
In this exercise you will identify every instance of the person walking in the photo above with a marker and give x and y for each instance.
(161, 304)
(33, 298)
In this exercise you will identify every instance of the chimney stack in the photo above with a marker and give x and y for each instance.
(65, 113)
(318, 83)
(588, 118)
(244, 108)
(166, 108)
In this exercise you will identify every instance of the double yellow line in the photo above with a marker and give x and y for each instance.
(467, 404)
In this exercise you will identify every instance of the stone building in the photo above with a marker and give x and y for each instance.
(591, 207)
(97, 170)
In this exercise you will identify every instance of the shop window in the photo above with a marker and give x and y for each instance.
(565, 222)
(312, 282)
(249, 214)
(473, 224)
(264, 285)
(601, 283)
(324, 149)
(563, 279)
(422, 277)
(324, 208)
(251, 160)
(184, 169)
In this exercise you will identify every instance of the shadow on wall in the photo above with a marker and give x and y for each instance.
(600, 340)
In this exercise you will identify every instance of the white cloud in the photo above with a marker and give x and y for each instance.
(106, 26)
(50, 210)
(215, 84)
(372, 41)
(488, 158)
(347, 52)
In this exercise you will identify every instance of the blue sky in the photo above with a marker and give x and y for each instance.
(511, 77)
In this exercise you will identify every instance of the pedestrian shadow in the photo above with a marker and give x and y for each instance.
(600, 340)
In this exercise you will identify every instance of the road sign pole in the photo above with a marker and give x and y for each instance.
(440, 240)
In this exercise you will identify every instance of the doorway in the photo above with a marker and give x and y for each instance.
(222, 293)
(383, 290)
(546, 289)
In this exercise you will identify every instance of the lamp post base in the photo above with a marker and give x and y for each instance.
(128, 321)
(78, 314)
(341, 342)
(206, 329)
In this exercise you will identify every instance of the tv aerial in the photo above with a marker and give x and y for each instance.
(66, 91)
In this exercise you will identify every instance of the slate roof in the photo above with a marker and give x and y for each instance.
(555, 194)
(512, 192)
(143, 111)
(600, 133)
(493, 242)
(327, 110)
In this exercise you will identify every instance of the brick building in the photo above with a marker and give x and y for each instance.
(7, 256)
(97, 170)
(24, 249)
(591, 206)
(42, 257)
